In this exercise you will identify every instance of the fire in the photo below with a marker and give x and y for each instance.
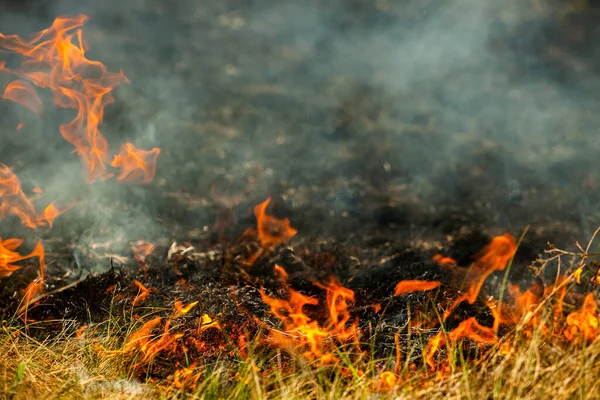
(467, 329)
(143, 293)
(271, 231)
(493, 258)
(583, 324)
(442, 260)
(55, 58)
(13, 200)
(141, 250)
(36, 287)
(304, 333)
(23, 93)
(136, 164)
(387, 380)
(404, 287)
(180, 309)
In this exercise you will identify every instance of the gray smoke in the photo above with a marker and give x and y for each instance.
(392, 112)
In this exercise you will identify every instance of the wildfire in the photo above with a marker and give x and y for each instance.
(468, 329)
(143, 293)
(583, 324)
(493, 258)
(136, 164)
(302, 332)
(55, 58)
(271, 231)
(13, 201)
(405, 287)
(141, 250)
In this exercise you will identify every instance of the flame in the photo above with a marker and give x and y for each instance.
(303, 332)
(141, 337)
(442, 260)
(141, 250)
(404, 287)
(207, 322)
(13, 200)
(55, 59)
(272, 231)
(23, 93)
(180, 309)
(494, 257)
(583, 324)
(467, 329)
(577, 275)
(135, 163)
(36, 287)
(386, 381)
(143, 293)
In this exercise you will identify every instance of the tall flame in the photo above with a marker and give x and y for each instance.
(55, 59)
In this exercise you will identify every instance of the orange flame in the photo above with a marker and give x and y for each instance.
(404, 287)
(180, 309)
(141, 250)
(302, 332)
(442, 260)
(14, 201)
(36, 287)
(272, 231)
(143, 294)
(583, 324)
(23, 93)
(494, 257)
(55, 58)
(135, 163)
(468, 329)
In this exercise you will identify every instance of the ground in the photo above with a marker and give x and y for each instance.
(386, 133)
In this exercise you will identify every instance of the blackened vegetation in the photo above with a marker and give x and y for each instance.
(227, 290)
(376, 179)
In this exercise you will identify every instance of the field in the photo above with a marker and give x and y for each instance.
(308, 199)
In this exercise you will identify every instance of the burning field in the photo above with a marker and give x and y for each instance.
(307, 199)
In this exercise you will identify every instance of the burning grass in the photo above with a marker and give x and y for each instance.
(96, 364)
(262, 316)
(290, 339)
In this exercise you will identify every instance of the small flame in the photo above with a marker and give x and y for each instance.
(443, 260)
(493, 258)
(35, 288)
(136, 164)
(180, 309)
(23, 93)
(583, 324)
(272, 231)
(405, 287)
(143, 293)
(467, 329)
(141, 250)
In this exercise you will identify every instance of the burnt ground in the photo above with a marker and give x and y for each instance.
(377, 165)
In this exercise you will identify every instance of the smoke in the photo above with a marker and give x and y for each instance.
(406, 117)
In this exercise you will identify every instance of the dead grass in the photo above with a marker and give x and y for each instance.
(65, 367)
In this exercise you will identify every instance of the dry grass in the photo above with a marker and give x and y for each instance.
(65, 366)
(529, 362)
